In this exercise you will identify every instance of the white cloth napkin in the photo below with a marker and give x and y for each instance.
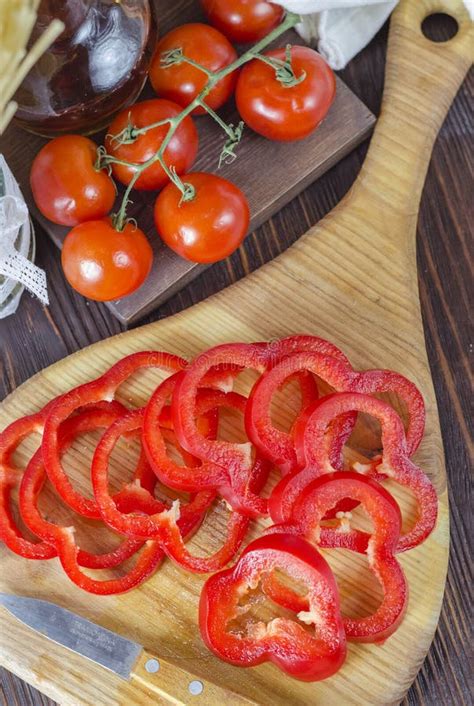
(342, 28)
(15, 267)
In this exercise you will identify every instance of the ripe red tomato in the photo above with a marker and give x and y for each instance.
(66, 186)
(180, 153)
(280, 112)
(210, 226)
(181, 83)
(102, 263)
(243, 20)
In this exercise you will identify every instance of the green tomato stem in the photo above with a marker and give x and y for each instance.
(284, 72)
(142, 130)
(210, 111)
(183, 59)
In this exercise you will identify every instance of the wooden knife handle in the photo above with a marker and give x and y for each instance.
(173, 685)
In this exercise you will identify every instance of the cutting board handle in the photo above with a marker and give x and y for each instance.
(421, 80)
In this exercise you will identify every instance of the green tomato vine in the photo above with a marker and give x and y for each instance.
(283, 72)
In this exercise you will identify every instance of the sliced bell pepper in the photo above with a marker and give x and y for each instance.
(10, 475)
(207, 475)
(235, 458)
(275, 444)
(279, 447)
(132, 498)
(162, 525)
(33, 480)
(100, 389)
(372, 381)
(191, 477)
(309, 656)
(310, 509)
(133, 525)
(279, 349)
(10, 532)
(394, 462)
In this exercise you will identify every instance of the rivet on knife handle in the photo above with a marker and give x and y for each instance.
(178, 686)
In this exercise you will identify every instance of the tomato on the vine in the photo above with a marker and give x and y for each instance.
(102, 263)
(243, 20)
(182, 82)
(286, 112)
(208, 227)
(180, 152)
(66, 184)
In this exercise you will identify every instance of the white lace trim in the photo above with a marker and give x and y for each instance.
(15, 268)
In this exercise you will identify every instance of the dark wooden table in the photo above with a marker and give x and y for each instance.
(36, 337)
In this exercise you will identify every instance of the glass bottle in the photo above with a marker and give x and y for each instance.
(96, 67)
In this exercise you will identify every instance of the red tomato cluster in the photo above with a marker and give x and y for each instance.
(283, 96)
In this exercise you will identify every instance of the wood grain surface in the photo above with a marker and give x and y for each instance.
(443, 250)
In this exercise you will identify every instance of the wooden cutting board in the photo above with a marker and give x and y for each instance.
(269, 173)
(352, 278)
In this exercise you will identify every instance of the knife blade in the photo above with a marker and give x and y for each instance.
(125, 658)
(77, 634)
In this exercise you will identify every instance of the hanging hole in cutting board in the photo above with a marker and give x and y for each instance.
(439, 27)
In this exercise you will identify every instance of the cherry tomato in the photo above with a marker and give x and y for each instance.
(281, 112)
(182, 82)
(66, 186)
(210, 226)
(243, 20)
(180, 153)
(102, 263)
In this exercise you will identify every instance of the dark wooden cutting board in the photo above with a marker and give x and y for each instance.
(269, 173)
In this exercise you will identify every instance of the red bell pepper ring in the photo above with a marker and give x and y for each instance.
(394, 463)
(236, 459)
(147, 562)
(14, 434)
(310, 509)
(32, 484)
(275, 444)
(372, 381)
(340, 428)
(207, 475)
(282, 641)
(10, 439)
(33, 480)
(279, 349)
(335, 439)
(279, 447)
(162, 525)
(100, 389)
(195, 475)
(232, 456)
(256, 356)
(132, 498)
(132, 525)
(10, 533)
(13, 537)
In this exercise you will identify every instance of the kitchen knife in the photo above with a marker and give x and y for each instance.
(128, 659)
